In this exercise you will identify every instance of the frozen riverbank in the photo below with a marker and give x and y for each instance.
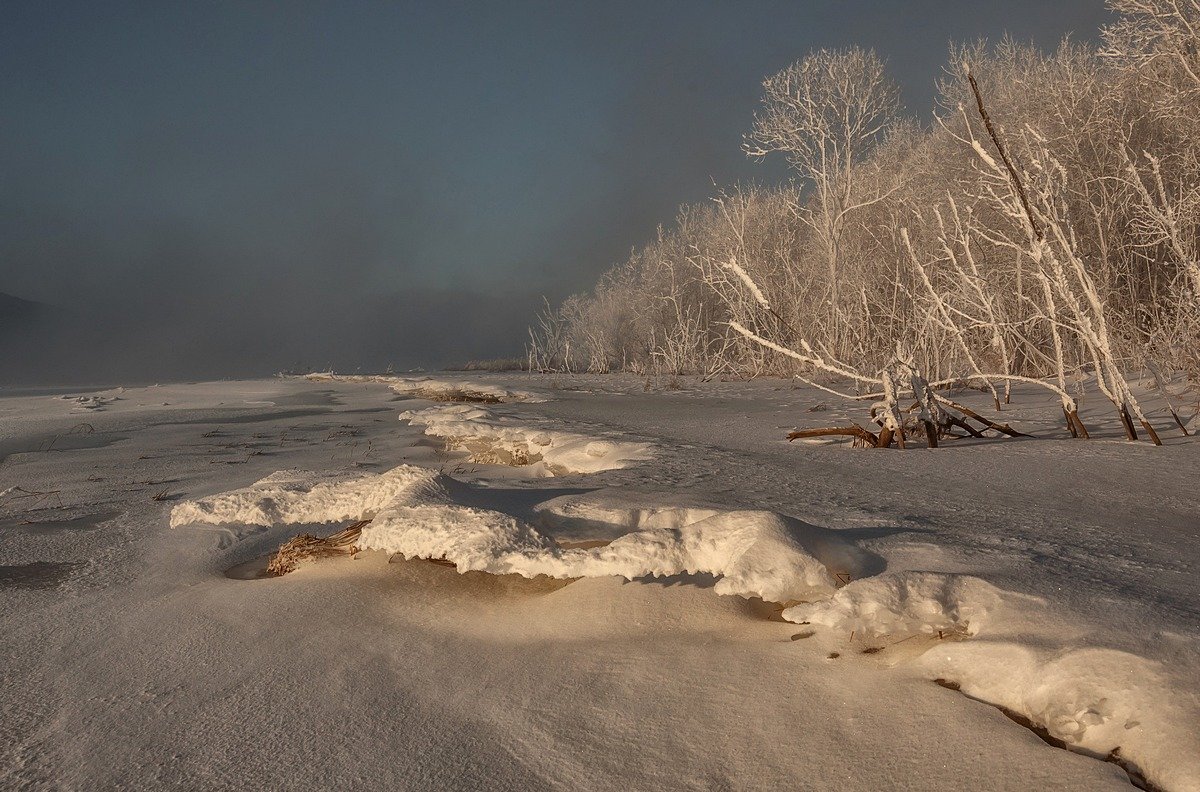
(139, 660)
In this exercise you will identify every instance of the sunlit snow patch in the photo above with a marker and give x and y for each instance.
(899, 606)
(297, 496)
(1095, 700)
(492, 439)
(460, 390)
(755, 554)
(1099, 701)
(450, 390)
(771, 539)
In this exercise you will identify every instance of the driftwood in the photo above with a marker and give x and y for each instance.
(867, 437)
(933, 429)
(306, 546)
(990, 424)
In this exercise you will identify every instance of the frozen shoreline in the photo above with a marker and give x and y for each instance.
(1121, 594)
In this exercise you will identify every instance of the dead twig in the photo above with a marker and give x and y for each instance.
(305, 546)
(35, 497)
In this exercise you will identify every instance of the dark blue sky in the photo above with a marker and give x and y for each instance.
(204, 188)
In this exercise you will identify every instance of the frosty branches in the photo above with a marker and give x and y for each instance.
(1043, 231)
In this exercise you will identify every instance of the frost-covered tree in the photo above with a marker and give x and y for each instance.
(825, 113)
(1044, 229)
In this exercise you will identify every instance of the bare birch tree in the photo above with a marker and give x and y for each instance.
(824, 113)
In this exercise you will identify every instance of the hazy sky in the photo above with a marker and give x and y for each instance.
(209, 188)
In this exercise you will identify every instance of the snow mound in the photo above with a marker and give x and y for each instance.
(295, 496)
(1096, 700)
(94, 402)
(436, 389)
(329, 376)
(472, 539)
(611, 512)
(754, 553)
(460, 390)
(492, 439)
(902, 605)
(606, 513)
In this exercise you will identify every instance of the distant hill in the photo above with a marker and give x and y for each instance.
(15, 311)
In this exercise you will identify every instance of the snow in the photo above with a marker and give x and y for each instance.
(900, 606)
(983, 155)
(1021, 657)
(1094, 699)
(733, 266)
(293, 496)
(430, 387)
(752, 553)
(1009, 650)
(425, 387)
(1024, 659)
(755, 554)
(614, 626)
(548, 452)
(94, 401)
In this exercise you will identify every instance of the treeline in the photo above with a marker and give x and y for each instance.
(1044, 226)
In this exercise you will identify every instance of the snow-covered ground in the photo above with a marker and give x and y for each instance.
(634, 588)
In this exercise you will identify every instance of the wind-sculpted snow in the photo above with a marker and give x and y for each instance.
(903, 605)
(1001, 647)
(294, 496)
(461, 389)
(437, 389)
(1093, 699)
(753, 553)
(1100, 701)
(771, 540)
(493, 439)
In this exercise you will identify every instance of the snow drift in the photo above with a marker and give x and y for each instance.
(1100, 701)
(753, 553)
(460, 390)
(899, 606)
(493, 439)
(294, 496)
(436, 389)
(1096, 700)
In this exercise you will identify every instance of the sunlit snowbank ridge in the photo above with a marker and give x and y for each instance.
(547, 451)
(1002, 647)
